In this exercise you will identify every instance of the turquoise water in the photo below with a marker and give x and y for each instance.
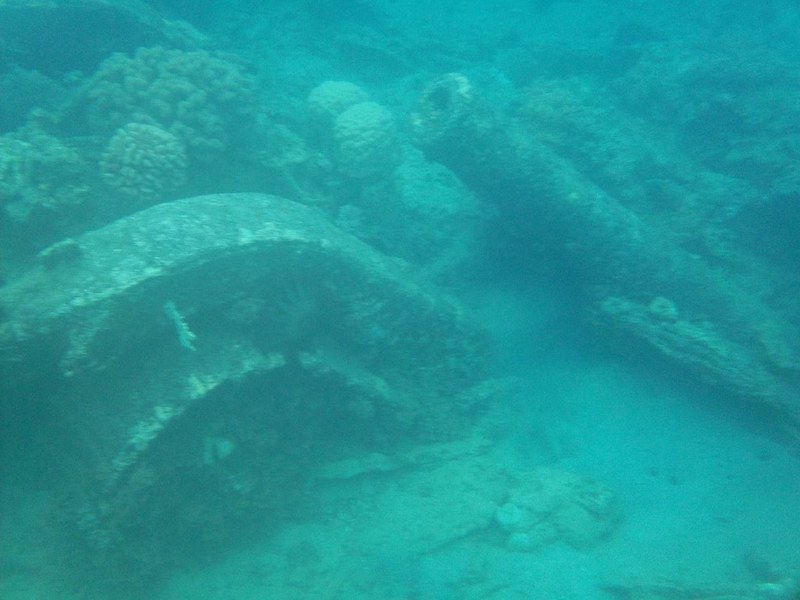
(400, 300)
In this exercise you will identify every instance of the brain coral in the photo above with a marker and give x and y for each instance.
(143, 162)
(366, 143)
(200, 98)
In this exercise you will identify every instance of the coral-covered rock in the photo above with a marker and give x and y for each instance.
(144, 162)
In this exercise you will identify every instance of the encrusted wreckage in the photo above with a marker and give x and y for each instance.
(637, 281)
(206, 353)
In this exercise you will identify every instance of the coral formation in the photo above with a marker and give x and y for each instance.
(201, 98)
(143, 162)
(366, 143)
(39, 171)
(330, 99)
(425, 215)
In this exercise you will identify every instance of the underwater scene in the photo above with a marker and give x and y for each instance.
(399, 300)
